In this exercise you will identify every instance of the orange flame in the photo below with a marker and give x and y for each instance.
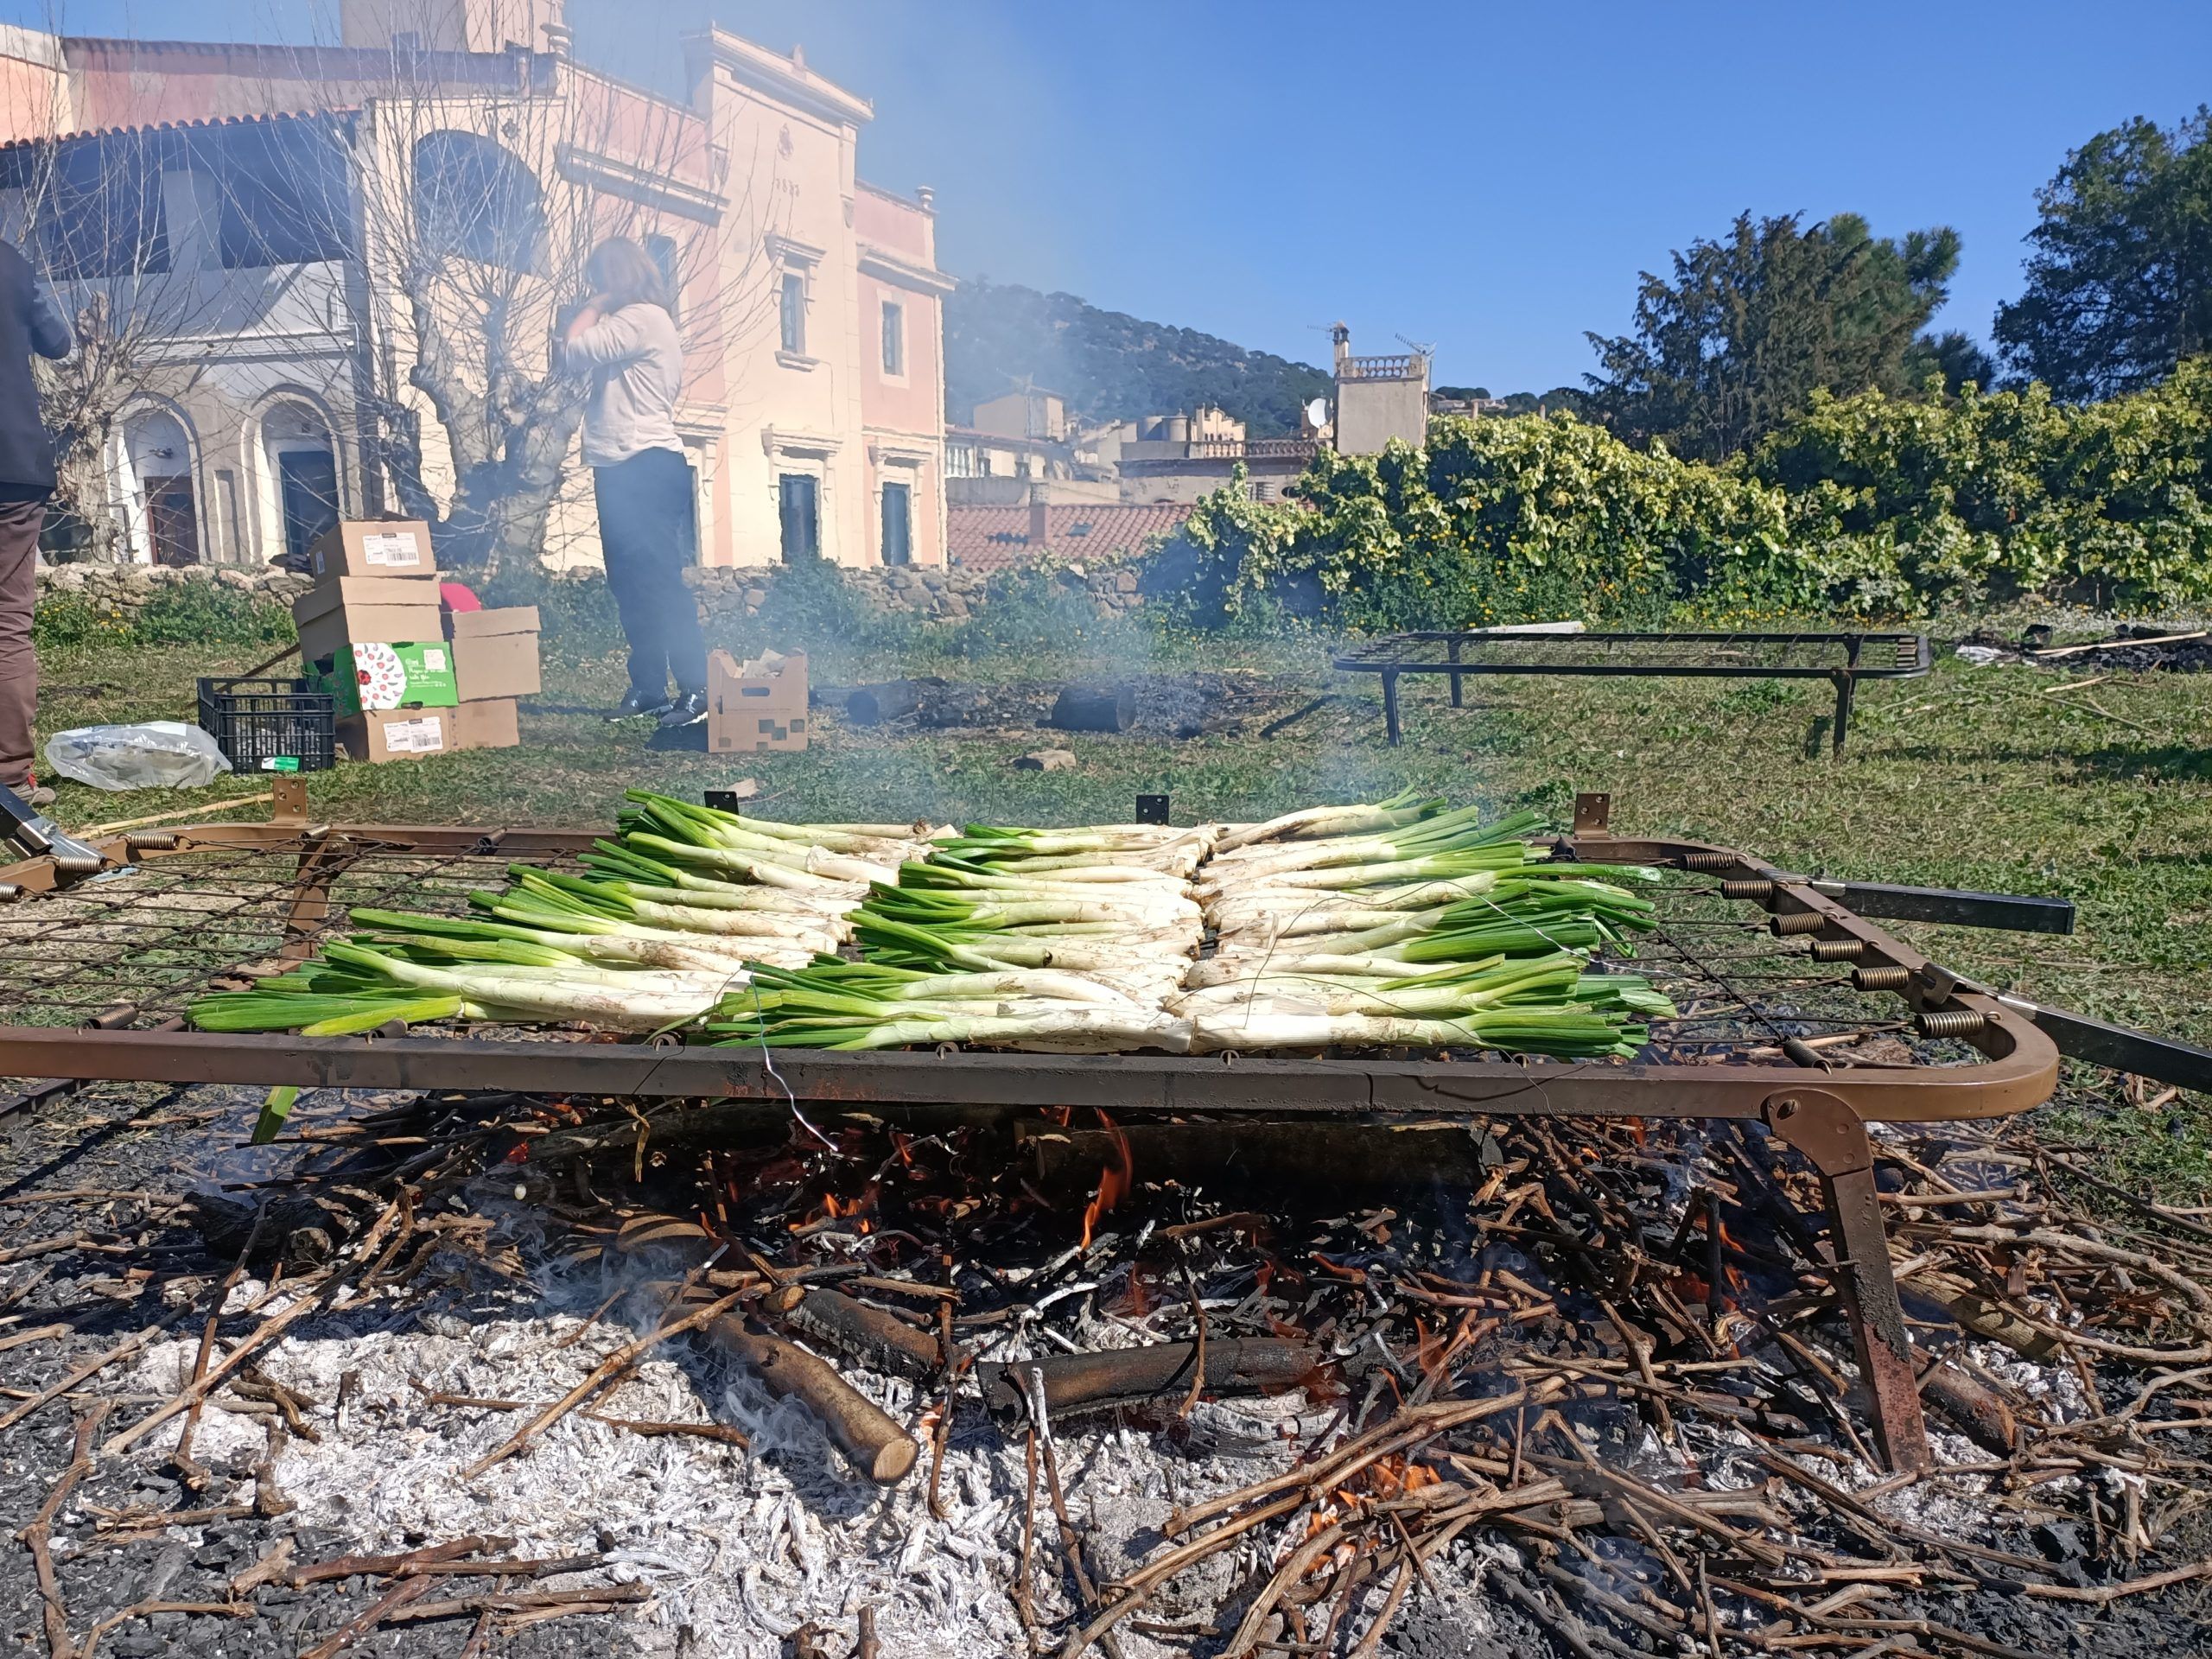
(1114, 1180)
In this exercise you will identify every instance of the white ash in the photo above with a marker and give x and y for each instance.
(741, 1546)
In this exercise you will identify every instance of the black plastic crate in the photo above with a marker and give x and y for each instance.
(257, 721)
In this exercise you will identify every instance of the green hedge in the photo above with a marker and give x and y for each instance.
(179, 613)
(1871, 506)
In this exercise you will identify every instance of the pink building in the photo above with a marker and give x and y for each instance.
(808, 299)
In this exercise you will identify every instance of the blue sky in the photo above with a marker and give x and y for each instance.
(1489, 179)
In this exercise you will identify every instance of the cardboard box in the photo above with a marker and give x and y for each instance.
(761, 705)
(402, 734)
(371, 676)
(374, 547)
(490, 724)
(495, 653)
(477, 624)
(336, 612)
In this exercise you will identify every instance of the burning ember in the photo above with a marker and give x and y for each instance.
(1113, 1181)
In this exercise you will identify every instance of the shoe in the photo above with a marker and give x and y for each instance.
(635, 702)
(687, 710)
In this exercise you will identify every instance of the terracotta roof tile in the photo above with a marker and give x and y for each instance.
(205, 123)
(997, 538)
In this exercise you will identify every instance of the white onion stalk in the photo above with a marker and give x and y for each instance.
(607, 999)
(1316, 821)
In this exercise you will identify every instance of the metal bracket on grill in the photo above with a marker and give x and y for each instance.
(2016, 912)
(287, 800)
(1593, 813)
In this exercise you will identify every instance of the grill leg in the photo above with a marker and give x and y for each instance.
(1390, 707)
(1827, 1131)
(1845, 684)
(1458, 700)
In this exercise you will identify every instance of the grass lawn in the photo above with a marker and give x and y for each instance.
(1973, 777)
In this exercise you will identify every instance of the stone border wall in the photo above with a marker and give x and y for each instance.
(946, 595)
(127, 586)
(935, 594)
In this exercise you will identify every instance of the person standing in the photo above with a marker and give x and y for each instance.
(29, 321)
(624, 338)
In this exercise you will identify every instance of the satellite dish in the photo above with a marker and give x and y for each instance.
(1317, 412)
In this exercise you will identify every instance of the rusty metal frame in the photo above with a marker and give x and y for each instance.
(1822, 1110)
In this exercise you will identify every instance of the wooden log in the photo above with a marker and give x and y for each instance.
(873, 705)
(1158, 1374)
(956, 705)
(1974, 1406)
(877, 1339)
(870, 1441)
(1093, 708)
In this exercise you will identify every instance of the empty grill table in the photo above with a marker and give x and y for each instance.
(1843, 659)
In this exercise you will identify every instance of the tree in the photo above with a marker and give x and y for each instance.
(1750, 326)
(2119, 280)
(480, 210)
(1955, 355)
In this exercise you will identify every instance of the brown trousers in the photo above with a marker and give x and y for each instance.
(20, 523)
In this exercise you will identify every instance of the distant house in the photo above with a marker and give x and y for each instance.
(1021, 445)
(1179, 458)
(1378, 398)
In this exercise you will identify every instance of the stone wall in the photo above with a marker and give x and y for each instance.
(943, 595)
(126, 587)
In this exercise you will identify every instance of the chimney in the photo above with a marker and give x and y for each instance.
(559, 41)
(927, 197)
(1342, 337)
(1040, 533)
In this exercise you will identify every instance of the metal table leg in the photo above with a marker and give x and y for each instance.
(1458, 680)
(1845, 684)
(1391, 705)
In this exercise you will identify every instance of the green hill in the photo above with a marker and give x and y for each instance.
(1108, 366)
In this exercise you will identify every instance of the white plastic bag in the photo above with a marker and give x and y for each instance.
(158, 754)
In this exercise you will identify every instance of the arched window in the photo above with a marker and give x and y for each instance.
(302, 475)
(477, 200)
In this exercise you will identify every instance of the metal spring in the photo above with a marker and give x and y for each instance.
(1881, 979)
(1756, 887)
(1838, 949)
(1710, 861)
(1950, 1022)
(151, 840)
(1797, 921)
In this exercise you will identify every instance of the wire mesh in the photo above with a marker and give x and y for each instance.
(130, 949)
(1868, 656)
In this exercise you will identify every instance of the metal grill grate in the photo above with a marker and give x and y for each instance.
(130, 950)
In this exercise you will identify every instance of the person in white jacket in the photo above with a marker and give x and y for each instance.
(624, 338)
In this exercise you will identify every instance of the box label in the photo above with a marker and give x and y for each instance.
(368, 676)
(424, 736)
(393, 549)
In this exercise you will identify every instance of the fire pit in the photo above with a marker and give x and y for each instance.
(1142, 1353)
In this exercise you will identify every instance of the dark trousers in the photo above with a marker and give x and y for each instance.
(650, 538)
(20, 523)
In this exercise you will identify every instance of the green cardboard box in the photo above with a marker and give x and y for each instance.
(365, 678)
